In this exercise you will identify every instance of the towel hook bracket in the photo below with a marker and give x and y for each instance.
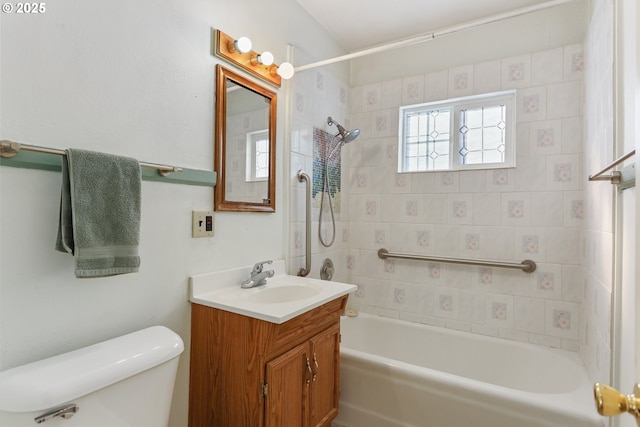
(9, 148)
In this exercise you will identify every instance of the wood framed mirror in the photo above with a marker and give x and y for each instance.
(245, 144)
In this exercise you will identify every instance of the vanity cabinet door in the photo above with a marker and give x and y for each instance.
(303, 383)
(324, 393)
(288, 379)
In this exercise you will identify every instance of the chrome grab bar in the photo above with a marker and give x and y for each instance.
(302, 176)
(527, 265)
(614, 177)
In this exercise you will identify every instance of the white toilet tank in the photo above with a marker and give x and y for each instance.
(123, 382)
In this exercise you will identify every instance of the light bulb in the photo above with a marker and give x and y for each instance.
(285, 70)
(242, 45)
(265, 58)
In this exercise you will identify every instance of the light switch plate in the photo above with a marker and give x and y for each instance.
(202, 224)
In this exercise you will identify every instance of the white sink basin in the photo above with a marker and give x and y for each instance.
(281, 299)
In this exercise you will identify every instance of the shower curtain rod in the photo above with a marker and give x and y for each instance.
(10, 149)
(435, 34)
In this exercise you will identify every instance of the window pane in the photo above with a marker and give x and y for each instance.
(482, 135)
(426, 137)
(262, 158)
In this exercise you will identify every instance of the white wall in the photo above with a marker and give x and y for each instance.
(558, 26)
(135, 79)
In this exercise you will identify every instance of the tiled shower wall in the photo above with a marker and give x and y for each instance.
(316, 95)
(598, 229)
(534, 211)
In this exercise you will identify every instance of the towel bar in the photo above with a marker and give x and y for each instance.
(10, 149)
(33, 157)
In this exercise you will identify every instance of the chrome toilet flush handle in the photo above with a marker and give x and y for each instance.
(66, 412)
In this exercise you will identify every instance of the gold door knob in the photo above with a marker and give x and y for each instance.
(610, 401)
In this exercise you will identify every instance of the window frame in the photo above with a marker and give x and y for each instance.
(456, 105)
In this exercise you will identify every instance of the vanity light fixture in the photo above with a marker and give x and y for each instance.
(242, 45)
(239, 53)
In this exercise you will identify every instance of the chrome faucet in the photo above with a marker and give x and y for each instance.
(258, 276)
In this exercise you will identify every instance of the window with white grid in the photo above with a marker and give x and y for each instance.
(476, 132)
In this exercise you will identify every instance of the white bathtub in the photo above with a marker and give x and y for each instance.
(401, 374)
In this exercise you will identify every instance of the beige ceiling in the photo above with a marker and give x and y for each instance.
(360, 24)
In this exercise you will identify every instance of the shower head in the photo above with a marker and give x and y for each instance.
(346, 136)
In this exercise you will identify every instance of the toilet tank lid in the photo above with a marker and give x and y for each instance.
(59, 379)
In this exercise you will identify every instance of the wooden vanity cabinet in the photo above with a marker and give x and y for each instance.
(247, 372)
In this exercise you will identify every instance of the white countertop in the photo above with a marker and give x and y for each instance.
(222, 290)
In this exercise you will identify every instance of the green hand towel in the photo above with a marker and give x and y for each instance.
(100, 213)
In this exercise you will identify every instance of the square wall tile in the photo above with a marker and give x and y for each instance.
(499, 311)
(531, 104)
(547, 209)
(435, 208)
(501, 179)
(498, 242)
(531, 244)
(471, 306)
(446, 303)
(372, 97)
(461, 81)
(447, 182)
(573, 208)
(531, 174)
(563, 172)
(545, 137)
(573, 62)
(460, 208)
(547, 66)
(436, 86)
(391, 93)
(547, 281)
(529, 315)
(473, 181)
(562, 245)
(384, 123)
(413, 90)
(572, 135)
(516, 209)
(486, 209)
(472, 242)
(572, 284)
(487, 77)
(562, 319)
(564, 100)
(516, 72)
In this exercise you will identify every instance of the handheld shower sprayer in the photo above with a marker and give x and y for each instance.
(346, 136)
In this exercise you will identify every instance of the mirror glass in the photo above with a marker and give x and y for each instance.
(245, 144)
